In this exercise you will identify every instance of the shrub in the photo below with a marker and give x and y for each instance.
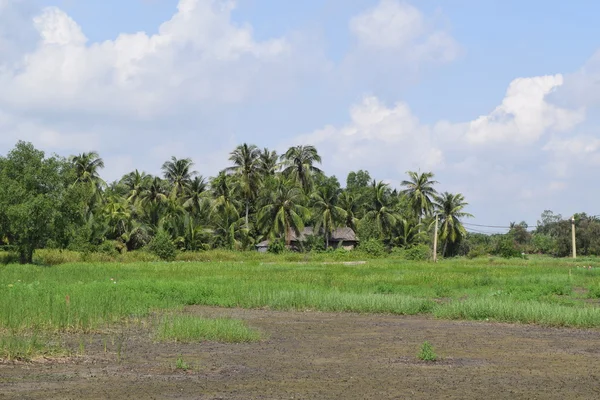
(477, 251)
(314, 243)
(507, 247)
(373, 247)
(162, 246)
(108, 247)
(427, 352)
(7, 257)
(56, 257)
(276, 246)
(419, 252)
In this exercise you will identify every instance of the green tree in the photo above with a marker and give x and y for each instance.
(178, 172)
(450, 210)
(420, 192)
(32, 190)
(267, 162)
(380, 210)
(246, 161)
(328, 215)
(284, 211)
(299, 163)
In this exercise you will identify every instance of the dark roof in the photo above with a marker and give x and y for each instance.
(340, 234)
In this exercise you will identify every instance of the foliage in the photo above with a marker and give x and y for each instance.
(373, 247)
(507, 247)
(427, 353)
(276, 246)
(162, 246)
(419, 252)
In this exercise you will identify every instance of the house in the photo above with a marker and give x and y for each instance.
(340, 237)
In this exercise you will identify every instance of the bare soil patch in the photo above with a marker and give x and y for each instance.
(317, 355)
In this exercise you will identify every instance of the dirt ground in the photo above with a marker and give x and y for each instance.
(315, 355)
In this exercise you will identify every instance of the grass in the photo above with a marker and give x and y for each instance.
(189, 329)
(39, 302)
(427, 353)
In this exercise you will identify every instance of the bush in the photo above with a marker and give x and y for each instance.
(7, 257)
(373, 247)
(108, 247)
(162, 246)
(56, 257)
(314, 243)
(477, 251)
(276, 246)
(507, 247)
(427, 352)
(420, 252)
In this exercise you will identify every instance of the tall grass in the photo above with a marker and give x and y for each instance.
(187, 329)
(82, 297)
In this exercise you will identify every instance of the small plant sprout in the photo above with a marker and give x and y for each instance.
(181, 364)
(427, 352)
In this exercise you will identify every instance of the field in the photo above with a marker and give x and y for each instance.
(247, 328)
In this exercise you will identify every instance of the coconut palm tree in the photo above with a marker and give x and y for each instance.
(196, 197)
(178, 172)
(87, 167)
(449, 208)
(267, 162)
(350, 203)
(380, 209)
(299, 165)
(284, 211)
(152, 200)
(246, 166)
(328, 215)
(224, 195)
(135, 182)
(420, 192)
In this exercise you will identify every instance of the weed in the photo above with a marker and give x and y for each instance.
(184, 328)
(180, 364)
(427, 353)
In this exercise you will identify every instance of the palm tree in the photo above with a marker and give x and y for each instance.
(380, 209)
(178, 173)
(195, 196)
(246, 159)
(408, 233)
(351, 206)
(152, 200)
(283, 211)
(223, 191)
(450, 207)
(135, 182)
(267, 162)
(87, 166)
(420, 192)
(328, 215)
(298, 162)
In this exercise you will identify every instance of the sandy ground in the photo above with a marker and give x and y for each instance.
(313, 355)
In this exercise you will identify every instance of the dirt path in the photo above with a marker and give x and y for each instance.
(328, 356)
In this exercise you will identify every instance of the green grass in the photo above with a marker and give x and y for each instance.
(83, 297)
(189, 329)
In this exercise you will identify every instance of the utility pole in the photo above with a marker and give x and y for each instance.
(435, 237)
(573, 236)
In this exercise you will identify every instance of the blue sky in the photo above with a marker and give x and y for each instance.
(498, 98)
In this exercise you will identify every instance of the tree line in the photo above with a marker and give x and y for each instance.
(63, 203)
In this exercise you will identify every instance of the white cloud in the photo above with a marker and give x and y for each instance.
(524, 115)
(399, 27)
(199, 54)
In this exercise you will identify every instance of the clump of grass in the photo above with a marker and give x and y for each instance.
(24, 347)
(189, 329)
(427, 353)
(181, 364)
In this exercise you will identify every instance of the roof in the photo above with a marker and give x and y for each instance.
(340, 234)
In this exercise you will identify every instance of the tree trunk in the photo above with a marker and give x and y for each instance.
(26, 255)
(445, 245)
(326, 240)
(247, 207)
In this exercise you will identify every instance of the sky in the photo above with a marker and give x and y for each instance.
(499, 98)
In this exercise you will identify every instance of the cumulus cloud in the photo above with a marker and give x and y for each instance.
(398, 27)
(199, 54)
(524, 115)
